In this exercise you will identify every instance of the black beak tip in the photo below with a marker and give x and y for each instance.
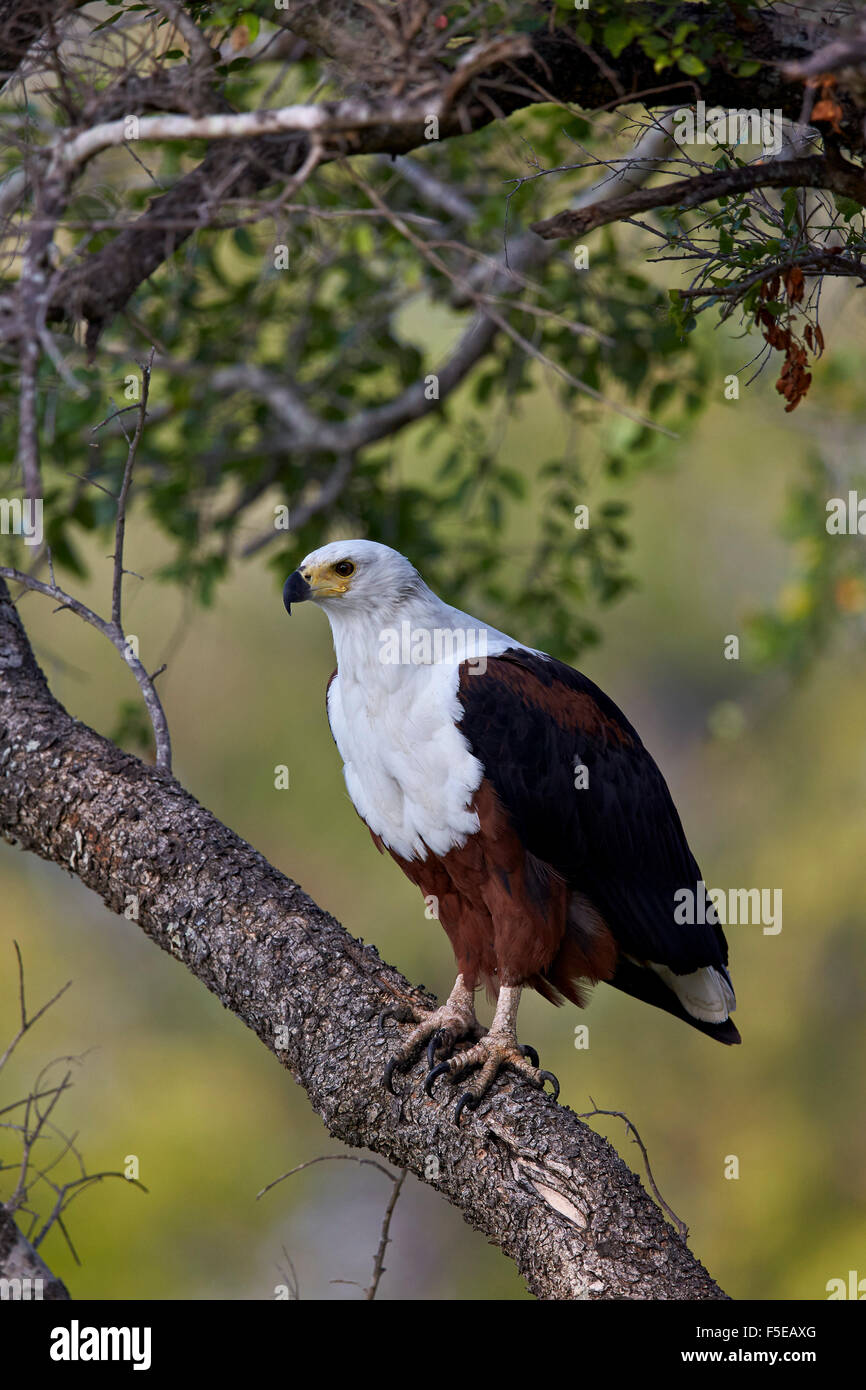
(295, 590)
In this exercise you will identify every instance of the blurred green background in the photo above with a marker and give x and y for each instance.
(768, 772)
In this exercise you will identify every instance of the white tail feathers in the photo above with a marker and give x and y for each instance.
(706, 994)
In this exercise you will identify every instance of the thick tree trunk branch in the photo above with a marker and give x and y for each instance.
(553, 1194)
(28, 1276)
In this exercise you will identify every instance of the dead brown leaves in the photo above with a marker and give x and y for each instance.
(826, 108)
(795, 378)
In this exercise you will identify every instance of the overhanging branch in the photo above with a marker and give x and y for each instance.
(815, 171)
(554, 67)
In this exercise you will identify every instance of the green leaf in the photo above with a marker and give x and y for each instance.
(244, 242)
(790, 205)
(692, 64)
(848, 207)
(618, 34)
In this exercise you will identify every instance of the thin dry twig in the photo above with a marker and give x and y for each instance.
(397, 1179)
(123, 495)
(27, 1023)
(113, 628)
(629, 1126)
(384, 1237)
(325, 1158)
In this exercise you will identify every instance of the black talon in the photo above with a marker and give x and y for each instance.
(380, 1022)
(432, 1045)
(549, 1076)
(467, 1099)
(388, 1077)
(527, 1051)
(433, 1076)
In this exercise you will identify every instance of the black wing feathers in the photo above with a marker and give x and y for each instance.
(529, 719)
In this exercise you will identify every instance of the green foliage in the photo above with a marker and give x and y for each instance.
(358, 317)
(364, 312)
(693, 46)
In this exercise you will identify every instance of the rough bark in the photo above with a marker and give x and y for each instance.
(553, 1194)
(20, 1262)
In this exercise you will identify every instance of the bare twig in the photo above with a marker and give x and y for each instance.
(67, 1192)
(120, 525)
(397, 1179)
(325, 1158)
(435, 193)
(27, 1023)
(113, 629)
(327, 494)
(201, 53)
(379, 1262)
(118, 640)
(310, 433)
(502, 323)
(480, 58)
(847, 50)
(18, 1258)
(630, 1128)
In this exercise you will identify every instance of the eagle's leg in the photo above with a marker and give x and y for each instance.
(498, 1048)
(440, 1029)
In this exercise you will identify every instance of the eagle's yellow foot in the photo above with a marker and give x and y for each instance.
(439, 1029)
(498, 1048)
(495, 1050)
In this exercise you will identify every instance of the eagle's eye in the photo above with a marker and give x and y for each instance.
(344, 568)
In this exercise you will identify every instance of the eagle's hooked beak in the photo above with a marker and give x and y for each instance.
(295, 590)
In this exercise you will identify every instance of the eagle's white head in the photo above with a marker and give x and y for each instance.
(353, 578)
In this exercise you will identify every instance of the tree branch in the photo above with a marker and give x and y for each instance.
(309, 432)
(556, 68)
(18, 1260)
(123, 495)
(549, 1191)
(113, 629)
(22, 22)
(814, 171)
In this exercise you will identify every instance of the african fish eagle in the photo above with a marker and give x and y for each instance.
(460, 747)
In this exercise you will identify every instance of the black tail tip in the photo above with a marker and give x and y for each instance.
(726, 1032)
